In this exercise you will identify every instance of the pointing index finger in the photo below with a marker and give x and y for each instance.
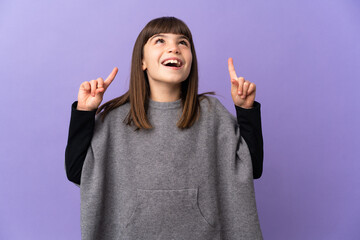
(231, 69)
(111, 77)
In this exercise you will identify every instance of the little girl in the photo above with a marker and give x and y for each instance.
(162, 161)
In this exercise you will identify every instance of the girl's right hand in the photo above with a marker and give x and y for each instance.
(91, 93)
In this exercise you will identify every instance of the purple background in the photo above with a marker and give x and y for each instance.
(303, 56)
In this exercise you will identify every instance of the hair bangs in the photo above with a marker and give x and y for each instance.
(167, 25)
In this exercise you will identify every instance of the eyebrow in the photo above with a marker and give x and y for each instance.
(161, 35)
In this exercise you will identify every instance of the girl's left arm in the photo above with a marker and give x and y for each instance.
(248, 115)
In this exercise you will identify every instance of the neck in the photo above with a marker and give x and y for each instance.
(165, 93)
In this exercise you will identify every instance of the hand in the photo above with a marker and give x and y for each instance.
(91, 93)
(242, 91)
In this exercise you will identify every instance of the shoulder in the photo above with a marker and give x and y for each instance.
(214, 109)
(114, 117)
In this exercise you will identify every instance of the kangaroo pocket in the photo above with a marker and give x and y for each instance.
(167, 214)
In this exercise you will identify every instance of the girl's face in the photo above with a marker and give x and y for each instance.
(161, 47)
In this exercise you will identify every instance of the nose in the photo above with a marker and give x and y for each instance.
(173, 47)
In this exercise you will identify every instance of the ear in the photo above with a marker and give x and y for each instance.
(143, 66)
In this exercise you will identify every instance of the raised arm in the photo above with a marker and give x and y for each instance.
(248, 115)
(82, 124)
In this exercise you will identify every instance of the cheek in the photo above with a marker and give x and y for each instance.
(190, 61)
(153, 58)
(190, 57)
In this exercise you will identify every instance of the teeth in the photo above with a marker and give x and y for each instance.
(172, 61)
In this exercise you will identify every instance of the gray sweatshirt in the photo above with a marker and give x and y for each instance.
(166, 183)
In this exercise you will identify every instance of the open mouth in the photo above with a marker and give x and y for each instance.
(173, 63)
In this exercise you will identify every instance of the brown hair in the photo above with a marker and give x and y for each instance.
(139, 90)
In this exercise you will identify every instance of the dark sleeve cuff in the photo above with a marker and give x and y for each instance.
(77, 113)
(244, 112)
(81, 121)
